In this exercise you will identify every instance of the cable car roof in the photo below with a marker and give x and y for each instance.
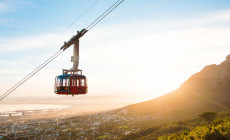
(65, 76)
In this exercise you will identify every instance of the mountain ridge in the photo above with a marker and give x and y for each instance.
(207, 90)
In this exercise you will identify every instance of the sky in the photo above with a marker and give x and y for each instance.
(142, 50)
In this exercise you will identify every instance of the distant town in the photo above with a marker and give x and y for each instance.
(105, 125)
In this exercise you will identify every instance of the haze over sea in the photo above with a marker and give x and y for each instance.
(11, 108)
(66, 104)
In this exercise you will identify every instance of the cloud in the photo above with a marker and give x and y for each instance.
(147, 30)
(3, 7)
(154, 57)
(25, 43)
(10, 6)
(217, 17)
(7, 6)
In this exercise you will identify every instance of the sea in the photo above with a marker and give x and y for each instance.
(28, 107)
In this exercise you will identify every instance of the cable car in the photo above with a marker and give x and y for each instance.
(72, 82)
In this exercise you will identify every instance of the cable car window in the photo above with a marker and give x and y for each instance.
(77, 82)
(58, 82)
(67, 82)
(64, 82)
(82, 82)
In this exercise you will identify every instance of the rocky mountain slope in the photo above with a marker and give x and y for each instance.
(207, 90)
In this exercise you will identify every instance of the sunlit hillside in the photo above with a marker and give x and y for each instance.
(196, 128)
(207, 90)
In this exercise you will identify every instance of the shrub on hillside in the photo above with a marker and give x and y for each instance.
(218, 130)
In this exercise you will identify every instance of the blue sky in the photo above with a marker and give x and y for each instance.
(144, 46)
(28, 17)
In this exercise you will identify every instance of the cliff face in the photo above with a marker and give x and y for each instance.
(207, 90)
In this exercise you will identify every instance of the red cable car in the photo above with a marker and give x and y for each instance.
(72, 82)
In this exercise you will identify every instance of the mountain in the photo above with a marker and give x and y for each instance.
(207, 90)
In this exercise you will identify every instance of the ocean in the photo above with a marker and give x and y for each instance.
(20, 107)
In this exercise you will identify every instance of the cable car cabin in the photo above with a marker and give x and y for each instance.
(71, 84)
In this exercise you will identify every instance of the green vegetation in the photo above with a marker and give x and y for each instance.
(103, 137)
(153, 132)
(208, 116)
(198, 128)
(218, 130)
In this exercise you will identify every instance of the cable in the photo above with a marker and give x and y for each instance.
(80, 16)
(40, 67)
(102, 14)
(31, 74)
(77, 19)
(105, 15)
(38, 54)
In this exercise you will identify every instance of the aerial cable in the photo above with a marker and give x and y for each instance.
(80, 16)
(105, 15)
(76, 20)
(94, 23)
(39, 53)
(102, 15)
(12, 89)
(31, 74)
